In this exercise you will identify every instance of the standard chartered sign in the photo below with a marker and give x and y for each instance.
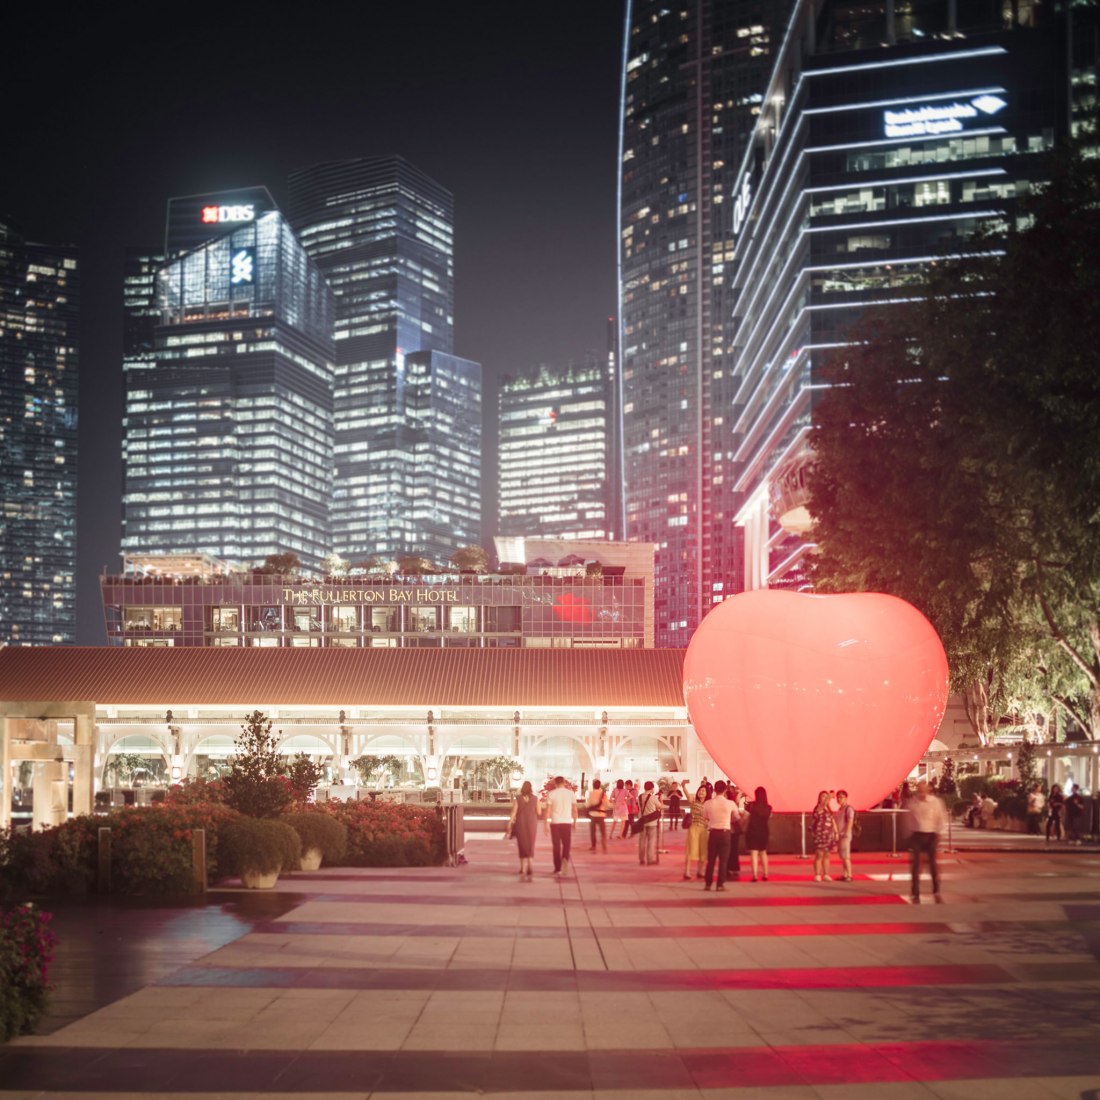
(931, 119)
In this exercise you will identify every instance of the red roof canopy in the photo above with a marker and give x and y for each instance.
(286, 676)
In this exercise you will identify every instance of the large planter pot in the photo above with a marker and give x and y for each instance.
(255, 880)
(311, 859)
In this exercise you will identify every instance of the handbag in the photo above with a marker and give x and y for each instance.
(687, 819)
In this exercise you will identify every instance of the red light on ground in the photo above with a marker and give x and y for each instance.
(801, 693)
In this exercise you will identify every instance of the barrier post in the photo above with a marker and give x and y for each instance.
(103, 865)
(198, 859)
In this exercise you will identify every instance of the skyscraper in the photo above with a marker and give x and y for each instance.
(890, 134)
(693, 78)
(39, 311)
(228, 429)
(382, 232)
(557, 476)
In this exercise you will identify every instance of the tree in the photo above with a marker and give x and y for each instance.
(415, 565)
(955, 457)
(255, 784)
(1026, 766)
(498, 770)
(286, 565)
(303, 774)
(470, 559)
(334, 565)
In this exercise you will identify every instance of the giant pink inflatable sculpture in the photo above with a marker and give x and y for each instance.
(798, 692)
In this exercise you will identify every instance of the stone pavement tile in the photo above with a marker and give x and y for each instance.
(436, 1035)
(362, 1035)
(540, 1036)
(1003, 1088)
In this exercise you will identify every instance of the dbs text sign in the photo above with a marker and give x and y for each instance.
(930, 119)
(220, 215)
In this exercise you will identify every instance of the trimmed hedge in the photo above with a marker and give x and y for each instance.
(384, 834)
(265, 845)
(317, 829)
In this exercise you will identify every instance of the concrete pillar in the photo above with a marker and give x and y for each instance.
(83, 763)
(5, 772)
(50, 794)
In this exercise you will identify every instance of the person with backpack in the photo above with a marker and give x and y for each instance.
(650, 810)
(597, 804)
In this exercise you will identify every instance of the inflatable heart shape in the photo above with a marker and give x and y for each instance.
(800, 693)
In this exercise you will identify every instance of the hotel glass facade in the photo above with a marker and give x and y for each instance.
(557, 475)
(228, 428)
(39, 312)
(693, 77)
(890, 134)
(382, 232)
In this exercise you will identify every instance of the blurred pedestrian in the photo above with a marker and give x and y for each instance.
(562, 812)
(823, 837)
(928, 817)
(619, 800)
(631, 809)
(674, 806)
(649, 821)
(524, 827)
(718, 813)
(1036, 804)
(695, 843)
(1056, 808)
(845, 827)
(758, 814)
(597, 804)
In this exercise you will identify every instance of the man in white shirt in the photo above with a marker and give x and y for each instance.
(562, 813)
(928, 816)
(718, 813)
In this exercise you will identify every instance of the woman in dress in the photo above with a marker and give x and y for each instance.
(823, 837)
(695, 845)
(619, 799)
(756, 832)
(597, 805)
(524, 825)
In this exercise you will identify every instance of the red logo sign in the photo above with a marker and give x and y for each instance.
(209, 214)
(573, 609)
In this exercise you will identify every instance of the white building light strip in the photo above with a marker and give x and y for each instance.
(954, 55)
(932, 97)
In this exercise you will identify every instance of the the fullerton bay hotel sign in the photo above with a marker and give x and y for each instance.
(321, 596)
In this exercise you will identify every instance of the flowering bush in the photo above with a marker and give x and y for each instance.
(199, 790)
(384, 834)
(26, 949)
(151, 850)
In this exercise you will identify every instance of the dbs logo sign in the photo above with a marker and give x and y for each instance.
(216, 215)
(573, 609)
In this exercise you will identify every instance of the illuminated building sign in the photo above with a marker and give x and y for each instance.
(931, 119)
(219, 215)
(242, 266)
(741, 204)
(391, 595)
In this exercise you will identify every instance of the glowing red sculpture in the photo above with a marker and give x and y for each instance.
(800, 693)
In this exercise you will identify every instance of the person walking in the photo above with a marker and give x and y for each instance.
(695, 843)
(823, 836)
(758, 814)
(631, 809)
(649, 821)
(1075, 812)
(619, 801)
(1056, 809)
(562, 813)
(674, 812)
(928, 817)
(718, 812)
(597, 804)
(737, 826)
(1036, 804)
(845, 826)
(524, 826)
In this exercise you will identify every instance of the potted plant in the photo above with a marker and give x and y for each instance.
(323, 838)
(257, 849)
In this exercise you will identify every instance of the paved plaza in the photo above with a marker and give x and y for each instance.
(619, 981)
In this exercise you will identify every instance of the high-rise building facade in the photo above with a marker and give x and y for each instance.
(693, 78)
(382, 232)
(557, 473)
(39, 313)
(890, 133)
(228, 431)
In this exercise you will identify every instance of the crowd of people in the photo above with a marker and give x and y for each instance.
(714, 820)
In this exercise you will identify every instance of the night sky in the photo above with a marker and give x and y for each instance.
(110, 109)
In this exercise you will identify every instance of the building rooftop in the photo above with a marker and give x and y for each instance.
(255, 676)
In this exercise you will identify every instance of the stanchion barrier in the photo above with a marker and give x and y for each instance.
(103, 866)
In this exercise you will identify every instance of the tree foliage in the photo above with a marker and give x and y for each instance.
(957, 462)
(470, 559)
(285, 565)
(255, 784)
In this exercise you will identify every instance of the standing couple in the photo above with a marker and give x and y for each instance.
(560, 811)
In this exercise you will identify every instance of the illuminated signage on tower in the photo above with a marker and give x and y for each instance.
(219, 215)
(930, 119)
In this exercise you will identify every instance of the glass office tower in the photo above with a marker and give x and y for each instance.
(556, 461)
(890, 133)
(228, 430)
(382, 232)
(693, 78)
(39, 312)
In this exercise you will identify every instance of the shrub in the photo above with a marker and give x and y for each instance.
(383, 834)
(26, 950)
(1013, 806)
(195, 790)
(263, 845)
(320, 830)
(59, 860)
(303, 775)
